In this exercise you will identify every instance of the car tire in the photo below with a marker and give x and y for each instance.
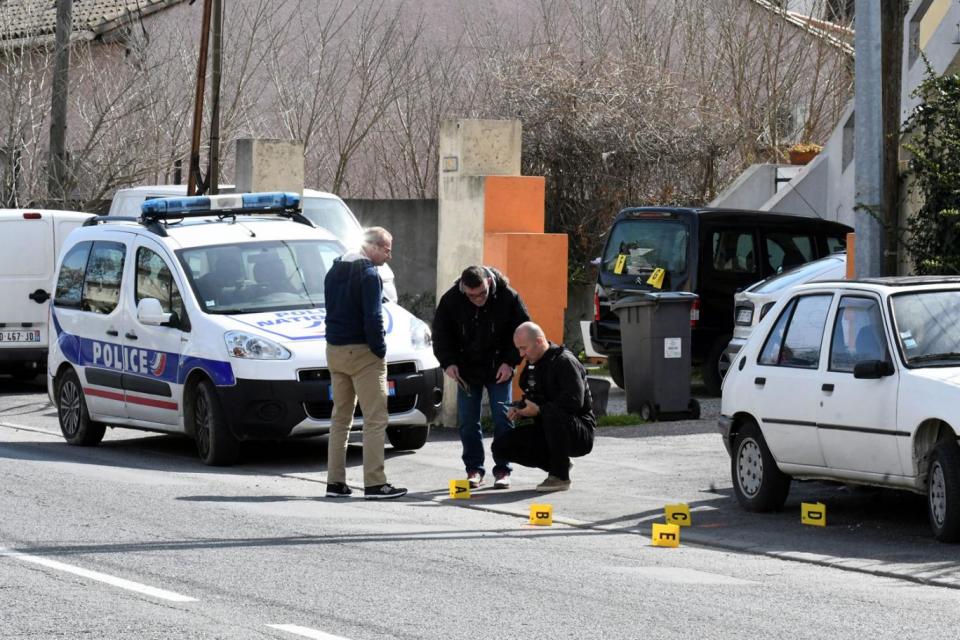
(75, 423)
(943, 492)
(216, 445)
(648, 412)
(711, 370)
(615, 365)
(408, 438)
(757, 481)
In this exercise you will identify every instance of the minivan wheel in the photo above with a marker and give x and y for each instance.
(215, 443)
(75, 423)
(943, 492)
(757, 481)
(408, 438)
(615, 365)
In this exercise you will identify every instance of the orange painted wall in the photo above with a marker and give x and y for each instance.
(513, 204)
(536, 264)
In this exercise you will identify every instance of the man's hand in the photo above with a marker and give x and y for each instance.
(529, 410)
(504, 373)
(452, 372)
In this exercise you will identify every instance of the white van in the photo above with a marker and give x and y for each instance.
(206, 317)
(323, 209)
(30, 241)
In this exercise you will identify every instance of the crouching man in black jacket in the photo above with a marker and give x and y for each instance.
(558, 399)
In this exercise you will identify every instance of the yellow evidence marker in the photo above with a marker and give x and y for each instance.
(813, 513)
(678, 514)
(541, 514)
(460, 489)
(656, 278)
(665, 535)
(620, 263)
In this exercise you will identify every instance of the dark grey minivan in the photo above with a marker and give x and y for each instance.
(710, 252)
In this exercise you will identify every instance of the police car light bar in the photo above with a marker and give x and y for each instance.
(233, 204)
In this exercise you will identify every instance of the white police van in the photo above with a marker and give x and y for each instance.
(205, 316)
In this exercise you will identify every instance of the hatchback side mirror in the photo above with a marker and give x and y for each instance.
(149, 311)
(872, 369)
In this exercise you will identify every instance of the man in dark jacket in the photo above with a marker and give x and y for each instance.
(558, 399)
(356, 352)
(473, 340)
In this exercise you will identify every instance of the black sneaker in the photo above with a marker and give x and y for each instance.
(338, 490)
(383, 492)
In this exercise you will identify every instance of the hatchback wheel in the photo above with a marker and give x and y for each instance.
(75, 422)
(943, 492)
(757, 481)
(215, 443)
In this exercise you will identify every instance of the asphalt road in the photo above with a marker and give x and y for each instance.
(137, 539)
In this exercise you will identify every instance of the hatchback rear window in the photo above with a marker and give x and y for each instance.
(646, 245)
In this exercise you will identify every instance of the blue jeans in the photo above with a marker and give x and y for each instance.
(471, 434)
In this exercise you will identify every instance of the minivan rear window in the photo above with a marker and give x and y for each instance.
(647, 245)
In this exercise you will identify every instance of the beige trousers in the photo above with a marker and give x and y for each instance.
(356, 373)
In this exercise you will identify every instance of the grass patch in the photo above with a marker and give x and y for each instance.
(627, 420)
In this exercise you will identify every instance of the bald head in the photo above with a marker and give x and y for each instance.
(530, 341)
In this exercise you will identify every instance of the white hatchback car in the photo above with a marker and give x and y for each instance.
(855, 381)
(205, 316)
(753, 303)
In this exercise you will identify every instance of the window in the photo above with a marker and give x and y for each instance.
(835, 244)
(857, 334)
(260, 276)
(70, 279)
(733, 251)
(799, 345)
(101, 286)
(647, 244)
(154, 280)
(788, 250)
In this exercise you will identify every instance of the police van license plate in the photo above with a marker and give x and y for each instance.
(391, 389)
(23, 335)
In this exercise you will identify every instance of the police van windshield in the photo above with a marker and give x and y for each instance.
(640, 246)
(260, 276)
(334, 216)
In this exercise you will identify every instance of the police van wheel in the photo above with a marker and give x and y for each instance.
(758, 482)
(75, 422)
(408, 438)
(215, 444)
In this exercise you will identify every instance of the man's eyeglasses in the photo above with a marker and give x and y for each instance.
(387, 249)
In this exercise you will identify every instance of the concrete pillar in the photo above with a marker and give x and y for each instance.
(490, 214)
(868, 140)
(269, 165)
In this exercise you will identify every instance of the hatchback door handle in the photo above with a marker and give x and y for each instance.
(827, 387)
(130, 335)
(112, 332)
(760, 381)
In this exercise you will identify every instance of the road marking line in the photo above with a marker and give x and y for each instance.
(306, 632)
(96, 575)
(23, 427)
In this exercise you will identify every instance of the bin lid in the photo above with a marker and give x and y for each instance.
(644, 298)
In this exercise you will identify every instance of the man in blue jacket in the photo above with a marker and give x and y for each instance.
(356, 352)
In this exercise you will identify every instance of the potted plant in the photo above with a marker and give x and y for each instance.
(803, 152)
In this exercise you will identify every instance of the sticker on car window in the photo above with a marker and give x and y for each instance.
(620, 263)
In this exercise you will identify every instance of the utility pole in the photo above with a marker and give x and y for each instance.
(213, 168)
(891, 45)
(194, 179)
(868, 139)
(56, 164)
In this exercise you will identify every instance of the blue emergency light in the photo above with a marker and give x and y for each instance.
(231, 204)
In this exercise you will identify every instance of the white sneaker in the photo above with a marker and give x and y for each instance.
(502, 481)
(475, 479)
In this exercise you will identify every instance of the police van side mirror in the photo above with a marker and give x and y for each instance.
(150, 312)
